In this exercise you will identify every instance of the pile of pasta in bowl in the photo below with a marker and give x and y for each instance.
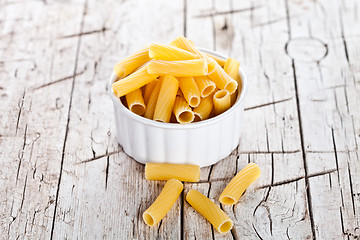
(176, 83)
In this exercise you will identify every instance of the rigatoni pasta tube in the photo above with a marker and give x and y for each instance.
(130, 63)
(185, 68)
(149, 89)
(182, 111)
(231, 67)
(169, 53)
(203, 111)
(239, 184)
(186, 44)
(151, 104)
(221, 78)
(165, 171)
(208, 209)
(134, 81)
(163, 202)
(220, 61)
(166, 99)
(222, 101)
(190, 90)
(205, 85)
(135, 102)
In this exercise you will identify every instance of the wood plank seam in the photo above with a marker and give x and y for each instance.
(308, 193)
(68, 120)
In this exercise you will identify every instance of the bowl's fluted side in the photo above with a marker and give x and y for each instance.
(202, 146)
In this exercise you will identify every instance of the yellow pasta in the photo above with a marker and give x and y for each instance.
(163, 202)
(165, 171)
(205, 85)
(150, 105)
(182, 111)
(170, 53)
(190, 90)
(184, 43)
(203, 111)
(166, 99)
(185, 68)
(135, 102)
(231, 67)
(219, 60)
(129, 64)
(239, 183)
(221, 78)
(222, 101)
(132, 82)
(149, 89)
(208, 209)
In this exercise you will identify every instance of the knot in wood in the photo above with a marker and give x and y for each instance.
(306, 49)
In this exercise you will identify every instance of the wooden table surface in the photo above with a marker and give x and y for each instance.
(64, 176)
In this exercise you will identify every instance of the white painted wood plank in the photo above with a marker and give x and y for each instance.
(327, 93)
(106, 197)
(33, 119)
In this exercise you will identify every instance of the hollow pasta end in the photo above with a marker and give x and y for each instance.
(148, 219)
(226, 226)
(227, 200)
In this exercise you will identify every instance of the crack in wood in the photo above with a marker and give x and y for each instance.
(308, 192)
(269, 152)
(20, 105)
(185, 17)
(257, 233)
(351, 189)
(343, 38)
(232, 232)
(107, 172)
(23, 193)
(99, 157)
(267, 104)
(102, 30)
(21, 155)
(68, 120)
(60, 80)
(269, 22)
(182, 202)
(216, 13)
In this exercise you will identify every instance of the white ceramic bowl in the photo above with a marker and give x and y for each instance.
(202, 143)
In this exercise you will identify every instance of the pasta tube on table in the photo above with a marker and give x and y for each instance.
(203, 111)
(135, 102)
(169, 53)
(132, 82)
(205, 85)
(183, 111)
(150, 107)
(163, 202)
(130, 63)
(239, 183)
(222, 101)
(185, 68)
(208, 209)
(165, 171)
(166, 99)
(190, 90)
(221, 78)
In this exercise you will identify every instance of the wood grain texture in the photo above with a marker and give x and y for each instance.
(64, 176)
